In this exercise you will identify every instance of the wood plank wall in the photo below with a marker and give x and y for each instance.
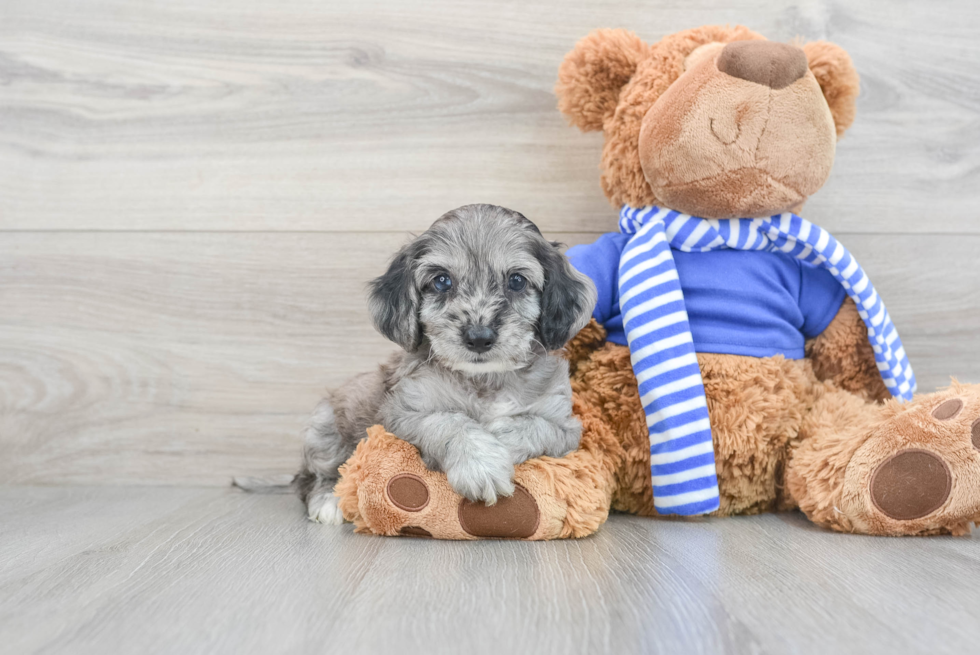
(194, 194)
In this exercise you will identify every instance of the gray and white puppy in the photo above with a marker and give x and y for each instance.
(479, 302)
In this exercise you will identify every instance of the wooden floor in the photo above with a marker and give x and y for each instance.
(202, 570)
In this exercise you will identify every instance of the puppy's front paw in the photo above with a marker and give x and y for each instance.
(567, 441)
(504, 408)
(325, 509)
(482, 480)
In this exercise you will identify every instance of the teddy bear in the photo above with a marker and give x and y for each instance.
(798, 392)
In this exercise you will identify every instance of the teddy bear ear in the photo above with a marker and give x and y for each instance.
(593, 73)
(838, 80)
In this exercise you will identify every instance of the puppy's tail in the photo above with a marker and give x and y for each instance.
(277, 484)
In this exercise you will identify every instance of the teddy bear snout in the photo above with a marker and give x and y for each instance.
(776, 65)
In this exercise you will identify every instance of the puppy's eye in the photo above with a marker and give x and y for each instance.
(442, 283)
(517, 282)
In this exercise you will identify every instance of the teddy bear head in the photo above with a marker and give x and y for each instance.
(715, 122)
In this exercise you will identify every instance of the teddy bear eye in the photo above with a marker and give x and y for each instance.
(442, 283)
(517, 282)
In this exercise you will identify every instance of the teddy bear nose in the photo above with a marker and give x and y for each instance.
(775, 65)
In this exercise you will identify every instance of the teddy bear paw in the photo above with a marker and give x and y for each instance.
(919, 471)
(387, 489)
(512, 517)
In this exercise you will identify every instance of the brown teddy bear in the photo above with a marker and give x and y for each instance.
(718, 123)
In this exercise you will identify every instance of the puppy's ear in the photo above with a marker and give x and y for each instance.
(838, 80)
(567, 300)
(594, 72)
(394, 300)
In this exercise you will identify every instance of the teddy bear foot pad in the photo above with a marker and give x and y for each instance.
(386, 489)
(516, 517)
(915, 473)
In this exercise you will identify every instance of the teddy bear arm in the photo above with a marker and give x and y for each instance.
(842, 354)
(386, 489)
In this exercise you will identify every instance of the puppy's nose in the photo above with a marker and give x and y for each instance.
(479, 338)
(775, 65)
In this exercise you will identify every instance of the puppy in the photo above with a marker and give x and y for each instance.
(478, 303)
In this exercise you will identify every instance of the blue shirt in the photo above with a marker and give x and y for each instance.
(739, 302)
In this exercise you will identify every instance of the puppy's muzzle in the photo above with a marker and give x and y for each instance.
(479, 338)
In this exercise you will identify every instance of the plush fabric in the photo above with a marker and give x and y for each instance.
(718, 133)
(652, 302)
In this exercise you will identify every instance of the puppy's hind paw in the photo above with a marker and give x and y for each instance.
(325, 509)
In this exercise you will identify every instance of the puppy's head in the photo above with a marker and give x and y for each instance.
(481, 287)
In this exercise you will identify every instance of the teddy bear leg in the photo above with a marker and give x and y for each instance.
(891, 469)
(386, 489)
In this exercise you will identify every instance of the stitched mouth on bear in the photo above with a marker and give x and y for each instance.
(723, 135)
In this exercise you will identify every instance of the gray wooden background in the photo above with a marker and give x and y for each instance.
(193, 195)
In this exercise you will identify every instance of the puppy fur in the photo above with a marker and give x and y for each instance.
(473, 413)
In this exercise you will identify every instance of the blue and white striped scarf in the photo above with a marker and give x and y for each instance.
(662, 350)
